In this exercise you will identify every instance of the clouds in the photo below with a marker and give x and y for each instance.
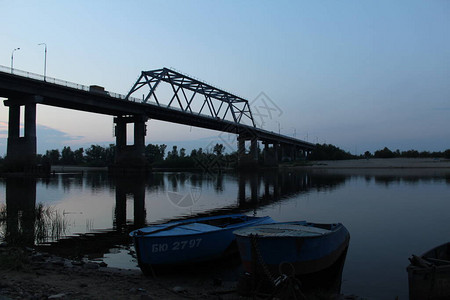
(47, 138)
(369, 73)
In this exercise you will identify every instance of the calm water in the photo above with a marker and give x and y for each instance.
(390, 214)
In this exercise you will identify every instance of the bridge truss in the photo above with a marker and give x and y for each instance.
(191, 96)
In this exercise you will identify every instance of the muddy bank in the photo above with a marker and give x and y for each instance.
(27, 274)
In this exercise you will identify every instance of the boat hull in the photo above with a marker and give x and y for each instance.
(431, 281)
(292, 254)
(177, 246)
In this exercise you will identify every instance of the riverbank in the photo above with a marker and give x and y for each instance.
(371, 163)
(27, 274)
(382, 163)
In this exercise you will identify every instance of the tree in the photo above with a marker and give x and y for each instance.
(173, 154)
(447, 153)
(78, 156)
(110, 154)
(96, 155)
(385, 153)
(219, 149)
(182, 152)
(367, 154)
(67, 156)
(53, 156)
(329, 152)
(410, 153)
(155, 153)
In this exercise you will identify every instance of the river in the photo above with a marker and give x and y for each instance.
(390, 214)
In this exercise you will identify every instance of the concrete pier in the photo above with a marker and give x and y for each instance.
(21, 150)
(130, 158)
(247, 160)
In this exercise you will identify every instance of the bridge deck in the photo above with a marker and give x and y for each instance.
(19, 86)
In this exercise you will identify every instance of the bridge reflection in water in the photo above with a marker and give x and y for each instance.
(23, 221)
(27, 223)
(19, 214)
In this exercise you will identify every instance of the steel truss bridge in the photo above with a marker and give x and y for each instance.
(167, 95)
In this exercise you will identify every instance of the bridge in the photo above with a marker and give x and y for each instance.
(167, 95)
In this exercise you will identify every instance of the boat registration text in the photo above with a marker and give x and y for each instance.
(175, 246)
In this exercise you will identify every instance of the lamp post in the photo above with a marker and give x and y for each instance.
(45, 59)
(12, 58)
(279, 127)
(295, 131)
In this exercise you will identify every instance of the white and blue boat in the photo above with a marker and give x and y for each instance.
(189, 241)
(304, 247)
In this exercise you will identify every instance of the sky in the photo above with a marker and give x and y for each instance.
(361, 75)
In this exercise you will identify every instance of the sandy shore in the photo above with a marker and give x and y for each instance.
(75, 169)
(372, 163)
(383, 163)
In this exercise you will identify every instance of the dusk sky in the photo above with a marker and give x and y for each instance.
(361, 75)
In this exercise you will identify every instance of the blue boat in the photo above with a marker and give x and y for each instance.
(301, 247)
(189, 241)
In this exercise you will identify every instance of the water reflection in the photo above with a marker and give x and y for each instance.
(134, 187)
(20, 211)
(89, 213)
(25, 222)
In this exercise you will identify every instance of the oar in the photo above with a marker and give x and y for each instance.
(437, 261)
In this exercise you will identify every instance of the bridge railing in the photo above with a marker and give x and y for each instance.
(42, 78)
(69, 84)
(56, 81)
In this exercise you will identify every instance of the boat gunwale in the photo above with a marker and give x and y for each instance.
(253, 222)
(338, 227)
(428, 254)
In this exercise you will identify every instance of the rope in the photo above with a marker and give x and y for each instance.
(253, 239)
(285, 286)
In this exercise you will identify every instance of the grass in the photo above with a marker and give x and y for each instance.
(49, 225)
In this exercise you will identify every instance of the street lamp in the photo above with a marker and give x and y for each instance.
(12, 58)
(45, 59)
(279, 127)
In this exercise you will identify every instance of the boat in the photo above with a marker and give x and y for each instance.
(189, 241)
(429, 274)
(291, 248)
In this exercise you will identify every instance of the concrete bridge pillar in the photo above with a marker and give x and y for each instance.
(270, 154)
(21, 150)
(130, 157)
(288, 152)
(254, 149)
(249, 160)
(283, 152)
(241, 151)
(294, 153)
(241, 147)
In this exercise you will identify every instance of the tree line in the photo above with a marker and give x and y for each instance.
(156, 156)
(331, 152)
(215, 157)
(387, 153)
